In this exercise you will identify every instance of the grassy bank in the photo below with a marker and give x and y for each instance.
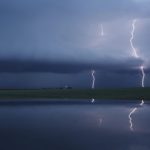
(130, 93)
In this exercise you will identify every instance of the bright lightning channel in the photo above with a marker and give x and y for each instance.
(132, 38)
(135, 52)
(142, 71)
(93, 71)
(93, 79)
(143, 76)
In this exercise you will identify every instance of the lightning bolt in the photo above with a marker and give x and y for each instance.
(93, 79)
(132, 38)
(135, 51)
(143, 76)
(141, 69)
(93, 71)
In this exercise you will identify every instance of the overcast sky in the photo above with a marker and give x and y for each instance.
(46, 43)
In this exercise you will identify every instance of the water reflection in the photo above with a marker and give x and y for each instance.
(142, 103)
(130, 118)
(100, 121)
(93, 100)
(74, 125)
(131, 114)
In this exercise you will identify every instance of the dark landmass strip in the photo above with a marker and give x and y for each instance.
(126, 93)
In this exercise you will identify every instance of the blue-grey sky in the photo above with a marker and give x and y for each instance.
(47, 43)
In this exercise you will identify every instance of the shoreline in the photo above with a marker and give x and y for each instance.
(122, 93)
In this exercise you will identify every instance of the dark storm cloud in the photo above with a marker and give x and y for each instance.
(14, 66)
(62, 36)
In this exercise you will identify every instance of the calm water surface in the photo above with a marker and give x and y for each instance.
(74, 125)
